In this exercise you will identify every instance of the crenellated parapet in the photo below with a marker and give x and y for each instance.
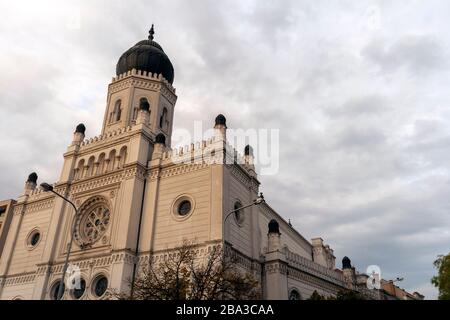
(104, 138)
(144, 80)
(207, 152)
(313, 268)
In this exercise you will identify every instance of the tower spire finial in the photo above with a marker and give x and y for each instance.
(151, 33)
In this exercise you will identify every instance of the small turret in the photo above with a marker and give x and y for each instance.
(349, 273)
(346, 263)
(249, 160)
(31, 183)
(274, 236)
(159, 146)
(220, 127)
(78, 135)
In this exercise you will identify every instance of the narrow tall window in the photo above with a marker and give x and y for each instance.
(163, 119)
(117, 110)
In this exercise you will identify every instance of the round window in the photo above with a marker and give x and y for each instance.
(100, 286)
(55, 290)
(184, 207)
(33, 239)
(79, 289)
(93, 221)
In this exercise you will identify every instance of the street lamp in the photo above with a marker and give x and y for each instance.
(49, 188)
(257, 201)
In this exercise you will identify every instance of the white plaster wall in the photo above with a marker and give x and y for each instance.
(170, 232)
(23, 259)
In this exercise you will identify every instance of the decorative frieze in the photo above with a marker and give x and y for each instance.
(39, 206)
(299, 275)
(144, 80)
(306, 265)
(276, 267)
(182, 169)
(98, 182)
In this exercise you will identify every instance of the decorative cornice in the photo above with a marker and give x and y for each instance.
(294, 273)
(143, 80)
(19, 279)
(178, 169)
(314, 269)
(39, 205)
(135, 170)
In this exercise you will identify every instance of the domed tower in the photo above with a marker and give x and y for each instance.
(144, 77)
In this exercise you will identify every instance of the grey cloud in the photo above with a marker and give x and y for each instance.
(360, 144)
(419, 54)
(360, 106)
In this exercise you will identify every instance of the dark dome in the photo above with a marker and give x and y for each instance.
(81, 128)
(346, 263)
(274, 227)
(220, 119)
(32, 177)
(160, 138)
(146, 55)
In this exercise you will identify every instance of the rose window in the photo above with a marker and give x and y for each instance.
(93, 221)
(94, 224)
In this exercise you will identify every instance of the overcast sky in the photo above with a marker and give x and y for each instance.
(358, 89)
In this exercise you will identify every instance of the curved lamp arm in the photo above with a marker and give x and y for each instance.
(257, 201)
(49, 188)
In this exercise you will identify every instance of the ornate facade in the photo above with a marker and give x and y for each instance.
(137, 197)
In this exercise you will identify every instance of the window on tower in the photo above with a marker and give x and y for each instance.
(163, 119)
(117, 110)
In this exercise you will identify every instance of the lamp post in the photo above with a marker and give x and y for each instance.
(257, 201)
(49, 188)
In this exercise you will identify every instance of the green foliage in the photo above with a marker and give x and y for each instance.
(442, 280)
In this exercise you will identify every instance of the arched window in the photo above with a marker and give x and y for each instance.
(294, 295)
(123, 156)
(101, 163)
(112, 160)
(163, 119)
(90, 169)
(79, 170)
(117, 110)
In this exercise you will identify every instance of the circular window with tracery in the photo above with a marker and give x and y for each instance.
(93, 221)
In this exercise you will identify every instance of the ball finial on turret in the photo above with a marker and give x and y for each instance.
(221, 120)
(32, 178)
(81, 128)
(248, 151)
(273, 226)
(160, 138)
(346, 263)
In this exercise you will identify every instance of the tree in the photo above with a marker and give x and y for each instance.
(184, 274)
(442, 280)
